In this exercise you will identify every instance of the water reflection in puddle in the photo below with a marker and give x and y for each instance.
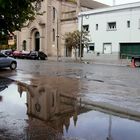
(49, 111)
(95, 125)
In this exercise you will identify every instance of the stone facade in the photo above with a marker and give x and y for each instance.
(53, 19)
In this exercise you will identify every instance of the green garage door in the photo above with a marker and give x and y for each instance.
(128, 49)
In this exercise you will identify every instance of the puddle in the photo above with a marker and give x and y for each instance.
(46, 110)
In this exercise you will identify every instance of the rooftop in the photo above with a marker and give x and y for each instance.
(111, 8)
(92, 4)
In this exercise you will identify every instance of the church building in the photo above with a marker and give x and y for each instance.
(54, 18)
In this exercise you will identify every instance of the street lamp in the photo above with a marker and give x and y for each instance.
(57, 36)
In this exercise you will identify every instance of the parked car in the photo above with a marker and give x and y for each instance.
(24, 54)
(17, 54)
(6, 61)
(7, 52)
(37, 55)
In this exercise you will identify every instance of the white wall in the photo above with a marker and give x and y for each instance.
(122, 34)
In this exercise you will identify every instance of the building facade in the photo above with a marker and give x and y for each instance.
(53, 19)
(113, 30)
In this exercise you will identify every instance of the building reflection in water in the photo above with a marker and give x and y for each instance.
(52, 102)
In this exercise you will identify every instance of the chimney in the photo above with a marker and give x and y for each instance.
(78, 7)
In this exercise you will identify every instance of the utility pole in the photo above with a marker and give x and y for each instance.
(81, 37)
(114, 2)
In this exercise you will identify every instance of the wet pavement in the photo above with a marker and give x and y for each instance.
(118, 86)
(50, 100)
(29, 112)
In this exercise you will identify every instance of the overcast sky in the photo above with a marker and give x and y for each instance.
(110, 2)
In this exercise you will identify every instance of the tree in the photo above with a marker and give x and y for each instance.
(72, 41)
(13, 15)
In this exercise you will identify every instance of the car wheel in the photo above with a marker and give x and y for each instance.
(13, 66)
(42, 58)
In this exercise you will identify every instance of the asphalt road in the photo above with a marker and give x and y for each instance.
(102, 83)
(107, 88)
(111, 74)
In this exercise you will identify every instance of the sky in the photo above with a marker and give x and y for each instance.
(110, 2)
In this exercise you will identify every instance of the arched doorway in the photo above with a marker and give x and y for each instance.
(37, 41)
(24, 45)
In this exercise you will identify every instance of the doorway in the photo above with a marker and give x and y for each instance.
(37, 41)
(107, 48)
(24, 45)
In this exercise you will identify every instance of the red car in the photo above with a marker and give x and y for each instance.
(20, 54)
(36, 55)
(17, 54)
